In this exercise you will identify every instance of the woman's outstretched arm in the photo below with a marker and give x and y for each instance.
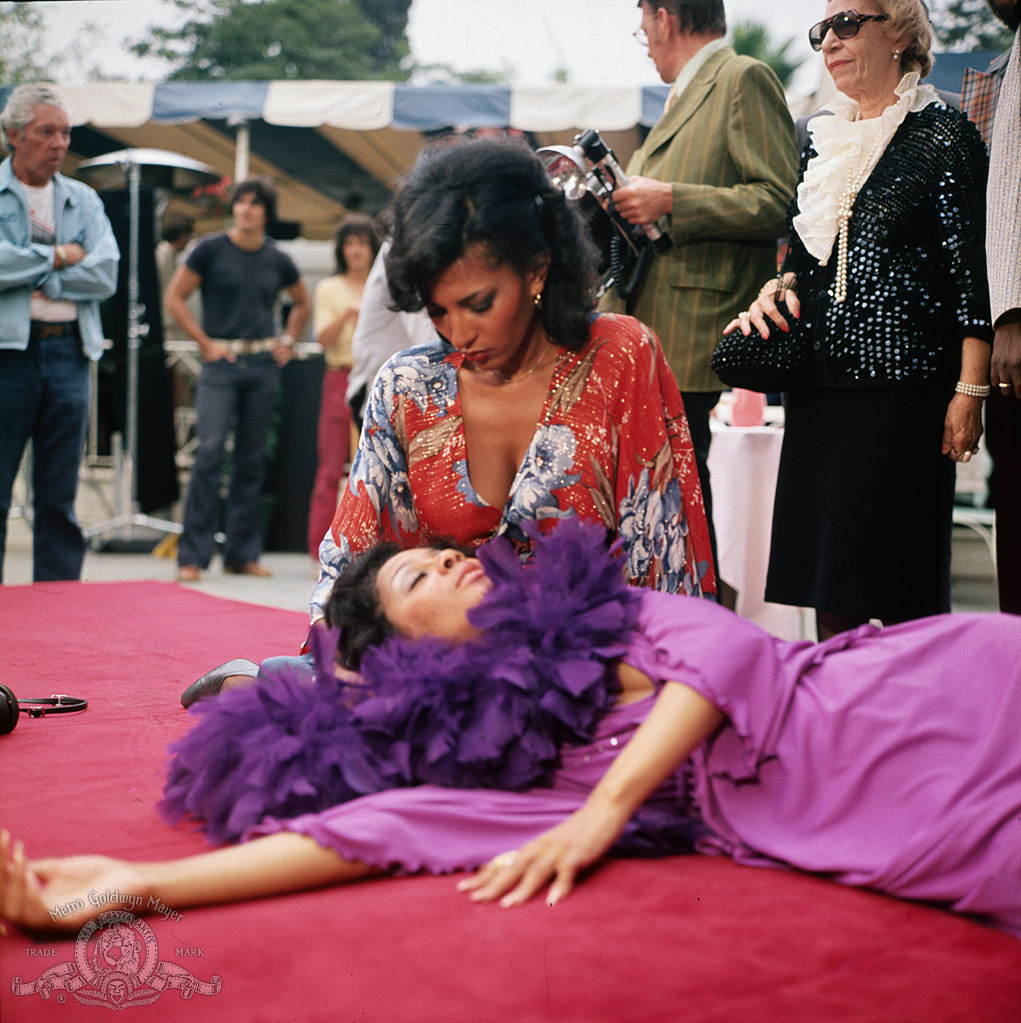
(680, 720)
(54, 893)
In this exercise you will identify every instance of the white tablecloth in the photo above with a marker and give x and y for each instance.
(743, 464)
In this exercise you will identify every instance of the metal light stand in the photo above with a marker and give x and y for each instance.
(123, 524)
(129, 517)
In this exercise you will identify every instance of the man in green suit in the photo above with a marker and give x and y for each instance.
(718, 171)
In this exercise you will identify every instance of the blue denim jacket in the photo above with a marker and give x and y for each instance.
(25, 267)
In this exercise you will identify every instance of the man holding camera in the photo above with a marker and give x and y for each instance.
(718, 170)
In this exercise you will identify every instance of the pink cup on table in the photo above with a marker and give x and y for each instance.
(749, 408)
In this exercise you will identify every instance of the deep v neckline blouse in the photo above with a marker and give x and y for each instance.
(612, 445)
(563, 363)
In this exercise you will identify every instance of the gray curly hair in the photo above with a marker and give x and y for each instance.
(21, 104)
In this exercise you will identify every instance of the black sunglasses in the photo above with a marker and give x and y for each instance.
(844, 25)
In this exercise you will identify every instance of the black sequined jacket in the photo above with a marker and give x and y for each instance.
(916, 269)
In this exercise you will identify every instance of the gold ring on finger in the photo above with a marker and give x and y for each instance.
(507, 859)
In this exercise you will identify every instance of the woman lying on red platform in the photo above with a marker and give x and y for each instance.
(528, 719)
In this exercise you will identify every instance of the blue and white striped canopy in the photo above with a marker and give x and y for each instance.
(367, 106)
(334, 145)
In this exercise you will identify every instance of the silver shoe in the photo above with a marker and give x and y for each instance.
(212, 681)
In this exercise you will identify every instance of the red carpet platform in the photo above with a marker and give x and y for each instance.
(693, 939)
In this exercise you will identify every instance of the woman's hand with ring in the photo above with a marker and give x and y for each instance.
(1005, 366)
(764, 311)
(962, 427)
(555, 858)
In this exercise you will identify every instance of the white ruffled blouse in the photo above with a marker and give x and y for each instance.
(847, 150)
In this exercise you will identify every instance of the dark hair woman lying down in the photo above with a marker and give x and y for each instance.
(529, 719)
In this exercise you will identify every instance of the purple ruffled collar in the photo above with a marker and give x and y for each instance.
(492, 713)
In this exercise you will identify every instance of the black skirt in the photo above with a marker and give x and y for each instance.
(864, 504)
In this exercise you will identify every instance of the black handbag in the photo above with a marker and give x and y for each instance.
(768, 364)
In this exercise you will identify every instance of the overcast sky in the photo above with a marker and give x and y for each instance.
(532, 38)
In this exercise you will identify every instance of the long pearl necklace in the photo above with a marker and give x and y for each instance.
(854, 183)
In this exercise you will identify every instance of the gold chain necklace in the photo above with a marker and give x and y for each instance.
(509, 378)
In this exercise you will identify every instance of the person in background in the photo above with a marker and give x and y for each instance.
(379, 333)
(885, 270)
(336, 304)
(240, 274)
(993, 101)
(177, 230)
(717, 171)
(175, 234)
(58, 261)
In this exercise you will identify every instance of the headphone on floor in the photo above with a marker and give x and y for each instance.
(35, 707)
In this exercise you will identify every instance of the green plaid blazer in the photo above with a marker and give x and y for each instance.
(728, 147)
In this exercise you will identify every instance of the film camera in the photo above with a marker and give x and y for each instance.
(589, 171)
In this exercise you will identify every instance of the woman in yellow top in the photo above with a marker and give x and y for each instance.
(336, 303)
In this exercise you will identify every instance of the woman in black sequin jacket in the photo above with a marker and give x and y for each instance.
(885, 277)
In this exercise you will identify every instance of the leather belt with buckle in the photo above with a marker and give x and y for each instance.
(254, 346)
(41, 329)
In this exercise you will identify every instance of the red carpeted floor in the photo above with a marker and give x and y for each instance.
(689, 939)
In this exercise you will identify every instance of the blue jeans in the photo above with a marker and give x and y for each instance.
(44, 397)
(301, 666)
(241, 395)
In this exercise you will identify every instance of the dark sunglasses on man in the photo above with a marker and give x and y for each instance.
(844, 25)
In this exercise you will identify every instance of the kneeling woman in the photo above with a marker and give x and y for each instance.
(553, 711)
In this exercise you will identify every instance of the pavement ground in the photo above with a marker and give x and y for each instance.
(294, 575)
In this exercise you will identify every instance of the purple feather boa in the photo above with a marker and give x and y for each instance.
(492, 713)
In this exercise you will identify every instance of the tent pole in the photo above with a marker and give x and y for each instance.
(242, 150)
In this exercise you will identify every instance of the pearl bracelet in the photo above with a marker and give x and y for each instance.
(972, 390)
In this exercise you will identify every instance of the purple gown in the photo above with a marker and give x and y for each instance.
(888, 759)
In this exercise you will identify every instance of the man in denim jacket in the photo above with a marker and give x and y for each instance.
(58, 261)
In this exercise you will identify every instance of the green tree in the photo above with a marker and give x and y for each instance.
(391, 18)
(276, 39)
(964, 25)
(22, 58)
(753, 40)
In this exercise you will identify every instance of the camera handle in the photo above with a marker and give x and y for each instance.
(602, 157)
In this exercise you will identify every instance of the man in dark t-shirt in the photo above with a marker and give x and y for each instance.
(239, 274)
